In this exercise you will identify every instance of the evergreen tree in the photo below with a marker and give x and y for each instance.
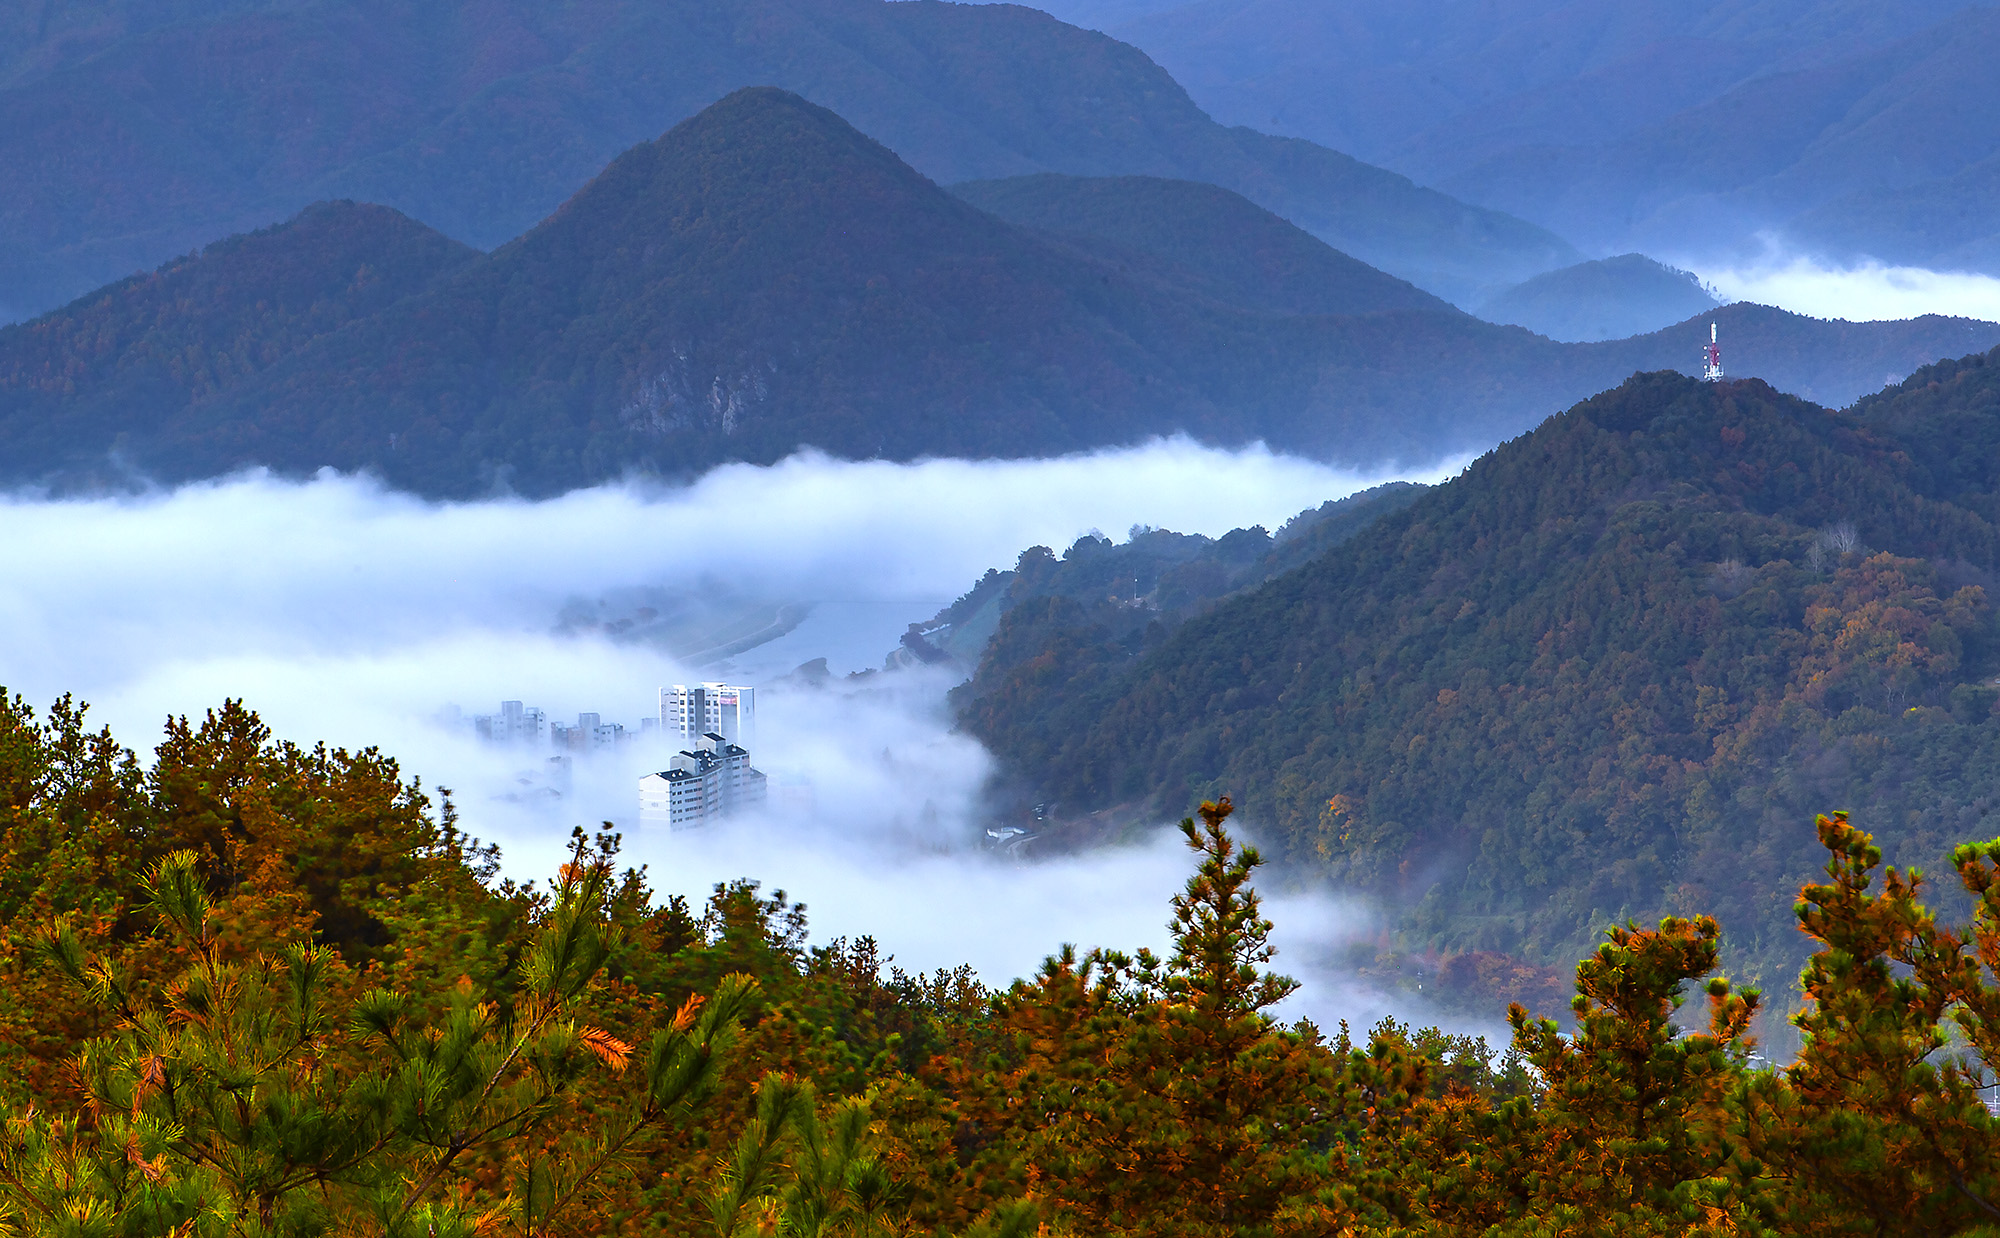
(265, 1095)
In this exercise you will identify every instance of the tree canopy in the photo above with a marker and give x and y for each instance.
(256, 989)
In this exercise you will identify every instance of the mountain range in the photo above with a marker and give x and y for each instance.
(1610, 671)
(1608, 299)
(763, 278)
(1684, 127)
(135, 133)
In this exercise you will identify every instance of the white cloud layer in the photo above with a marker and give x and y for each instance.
(1864, 292)
(344, 612)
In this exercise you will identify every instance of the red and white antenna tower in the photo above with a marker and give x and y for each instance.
(1712, 357)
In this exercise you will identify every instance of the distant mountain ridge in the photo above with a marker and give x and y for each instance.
(1211, 238)
(1609, 299)
(1682, 128)
(764, 278)
(135, 133)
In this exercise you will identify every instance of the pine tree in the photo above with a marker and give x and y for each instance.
(1878, 1127)
(260, 1096)
(1627, 1132)
(1156, 1096)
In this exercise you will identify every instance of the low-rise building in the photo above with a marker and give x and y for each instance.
(514, 724)
(590, 732)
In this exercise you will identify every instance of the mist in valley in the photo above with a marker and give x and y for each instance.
(1859, 291)
(345, 612)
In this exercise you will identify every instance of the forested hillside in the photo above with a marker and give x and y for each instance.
(1113, 600)
(257, 988)
(133, 134)
(1596, 676)
(763, 278)
(112, 367)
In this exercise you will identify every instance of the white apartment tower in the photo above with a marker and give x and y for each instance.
(688, 713)
(706, 783)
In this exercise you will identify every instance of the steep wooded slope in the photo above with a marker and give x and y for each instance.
(1606, 672)
(123, 360)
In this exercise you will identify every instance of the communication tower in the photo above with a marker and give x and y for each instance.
(1711, 356)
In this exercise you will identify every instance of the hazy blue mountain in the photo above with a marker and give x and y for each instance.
(1104, 15)
(1679, 126)
(132, 134)
(1951, 223)
(764, 277)
(1609, 299)
(1910, 115)
(1202, 237)
(1387, 79)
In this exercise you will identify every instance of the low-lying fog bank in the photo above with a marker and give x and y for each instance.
(1858, 292)
(347, 613)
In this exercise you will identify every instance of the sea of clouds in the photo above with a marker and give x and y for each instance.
(1864, 291)
(348, 613)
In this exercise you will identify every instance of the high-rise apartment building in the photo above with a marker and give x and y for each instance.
(688, 713)
(706, 783)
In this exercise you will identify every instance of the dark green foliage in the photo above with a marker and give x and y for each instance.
(1947, 417)
(1590, 678)
(1062, 627)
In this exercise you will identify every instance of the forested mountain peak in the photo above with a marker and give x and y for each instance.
(1602, 674)
(113, 362)
(764, 277)
(753, 190)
